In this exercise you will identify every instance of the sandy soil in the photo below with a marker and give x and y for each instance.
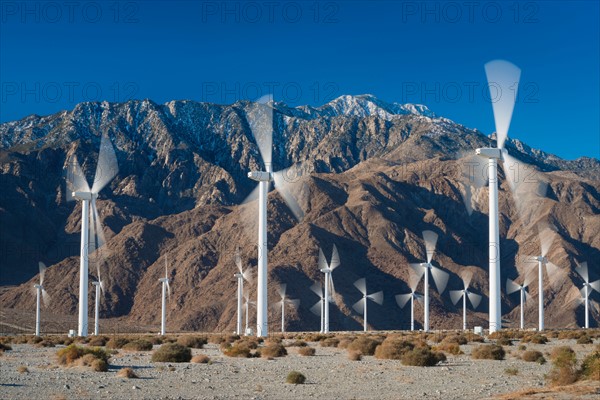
(330, 375)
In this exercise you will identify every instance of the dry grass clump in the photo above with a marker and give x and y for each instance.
(345, 342)
(488, 352)
(98, 341)
(88, 356)
(155, 340)
(194, 342)
(201, 359)
(298, 343)
(535, 338)
(366, 345)
(314, 337)
(306, 351)
(329, 342)
(590, 368)
(4, 347)
(450, 348)
(354, 355)
(272, 350)
(422, 357)
(393, 348)
(117, 343)
(238, 349)
(458, 339)
(533, 356)
(511, 371)
(220, 339)
(474, 338)
(22, 369)
(172, 352)
(504, 342)
(295, 378)
(584, 339)
(138, 345)
(35, 340)
(128, 373)
(564, 366)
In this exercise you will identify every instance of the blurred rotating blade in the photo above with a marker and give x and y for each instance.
(547, 237)
(331, 287)
(554, 273)
(335, 258)
(466, 276)
(260, 120)
(238, 260)
(359, 306)
(322, 261)
(42, 268)
(582, 270)
(293, 302)
(413, 279)
(503, 82)
(419, 271)
(595, 285)
(168, 289)
(281, 290)
(419, 298)
(107, 166)
(440, 278)
(252, 196)
(475, 299)
(361, 285)
(528, 186)
(582, 292)
(527, 296)
(511, 286)
(316, 288)
(430, 239)
(76, 181)
(377, 297)
(472, 177)
(456, 295)
(402, 299)
(45, 297)
(316, 309)
(100, 282)
(285, 185)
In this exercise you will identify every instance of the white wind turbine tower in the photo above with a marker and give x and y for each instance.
(247, 304)
(260, 119)
(241, 276)
(402, 299)
(41, 295)
(361, 305)
(511, 287)
(440, 277)
(329, 288)
(547, 237)
(99, 284)
(281, 304)
(582, 270)
(318, 308)
(92, 236)
(503, 82)
(165, 288)
(475, 299)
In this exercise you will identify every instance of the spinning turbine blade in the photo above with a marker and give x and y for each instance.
(402, 299)
(316, 309)
(359, 306)
(377, 297)
(316, 288)
(511, 286)
(361, 285)
(335, 258)
(456, 295)
(419, 271)
(440, 278)
(419, 298)
(252, 196)
(547, 237)
(503, 81)
(281, 290)
(413, 279)
(107, 166)
(582, 270)
(527, 296)
(466, 277)
(322, 260)
(474, 298)
(238, 259)
(76, 181)
(430, 239)
(473, 176)
(42, 268)
(294, 302)
(45, 297)
(553, 273)
(283, 183)
(260, 118)
(596, 285)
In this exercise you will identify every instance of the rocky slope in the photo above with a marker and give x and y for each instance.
(376, 175)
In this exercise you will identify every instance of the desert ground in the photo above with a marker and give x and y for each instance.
(30, 371)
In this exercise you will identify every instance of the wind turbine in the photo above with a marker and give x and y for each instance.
(165, 288)
(361, 305)
(547, 237)
(260, 119)
(284, 300)
(92, 236)
(511, 287)
(41, 295)
(241, 275)
(247, 306)
(99, 288)
(582, 270)
(402, 299)
(329, 288)
(474, 298)
(318, 308)
(440, 277)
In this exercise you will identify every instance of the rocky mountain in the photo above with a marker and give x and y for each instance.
(375, 175)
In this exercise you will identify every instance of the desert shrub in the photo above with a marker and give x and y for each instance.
(201, 359)
(155, 340)
(194, 342)
(138, 345)
(128, 373)
(315, 337)
(35, 340)
(22, 369)
(344, 343)
(45, 343)
(236, 350)
(4, 347)
(533, 356)
(220, 339)
(488, 352)
(536, 339)
(306, 351)
(117, 343)
(511, 371)
(354, 355)
(250, 342)
(298, 343)
(172, 352)
(473, 338)
(458, 339)
(450, 348)
(98, 341)
(584, 339)
(393, 348)
(273, 350)
(99, 365)
(295, 378)
(329, 342)
(504, 342)
(72, 353)
(522, 347)
(422, 357)
(365, 344)
(564, 366)
(590, 367)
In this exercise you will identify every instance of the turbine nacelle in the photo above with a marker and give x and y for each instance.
(260, 176)
(38, 286)
(96, 283)
(163, 280)
(541, 259)
(85, 195)
(489, 152)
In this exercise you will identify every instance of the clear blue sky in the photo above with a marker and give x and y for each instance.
(55, 54)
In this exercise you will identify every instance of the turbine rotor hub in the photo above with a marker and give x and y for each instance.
(489, 152)
(260, 176)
